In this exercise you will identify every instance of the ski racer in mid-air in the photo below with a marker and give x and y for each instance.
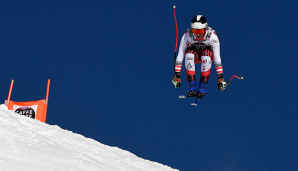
(199, 44)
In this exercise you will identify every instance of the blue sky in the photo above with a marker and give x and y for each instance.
(111, 65)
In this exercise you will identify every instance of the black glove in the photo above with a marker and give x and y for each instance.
(176, 81)
(221, 83)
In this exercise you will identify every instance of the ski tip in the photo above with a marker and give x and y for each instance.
(194, 104)
(182, 97)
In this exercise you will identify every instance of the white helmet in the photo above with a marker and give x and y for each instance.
(199, 27)
(199, 22)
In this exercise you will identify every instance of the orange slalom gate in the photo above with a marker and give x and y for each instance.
(33, 109)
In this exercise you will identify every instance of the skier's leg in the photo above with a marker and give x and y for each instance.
(191, 71)
(190, 67)
(190, 74)
(206, 58)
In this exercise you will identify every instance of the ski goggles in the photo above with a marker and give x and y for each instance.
(198, 31)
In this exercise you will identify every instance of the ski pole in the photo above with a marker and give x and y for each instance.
(175, 55)
(241, 78)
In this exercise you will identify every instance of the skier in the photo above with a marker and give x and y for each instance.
(199, 44)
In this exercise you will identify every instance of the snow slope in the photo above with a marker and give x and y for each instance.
(29, 145)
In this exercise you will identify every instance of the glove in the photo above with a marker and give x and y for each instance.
(176, 81)
(221, 83)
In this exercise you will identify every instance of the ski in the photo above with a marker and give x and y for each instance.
(196, 102)
(198, 99)
(183, 96)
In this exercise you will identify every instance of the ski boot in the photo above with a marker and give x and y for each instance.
(202, 90)
(192, 89)
(201, 93)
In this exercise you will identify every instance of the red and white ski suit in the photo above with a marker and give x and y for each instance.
(205, 52)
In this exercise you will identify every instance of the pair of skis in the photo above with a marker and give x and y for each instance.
(199, 98)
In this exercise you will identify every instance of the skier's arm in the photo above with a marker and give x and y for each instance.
(217, 62)
(180, 56)
(216, 53)
(178, 62)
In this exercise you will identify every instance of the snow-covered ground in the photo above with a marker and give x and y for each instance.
(29, 145)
